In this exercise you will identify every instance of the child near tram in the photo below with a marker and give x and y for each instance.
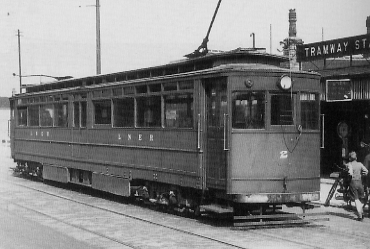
(357, 170)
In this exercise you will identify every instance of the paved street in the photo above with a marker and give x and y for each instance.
(17, 232)
(70, 225)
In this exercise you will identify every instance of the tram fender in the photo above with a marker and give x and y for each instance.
(55, 173)
(278, 197)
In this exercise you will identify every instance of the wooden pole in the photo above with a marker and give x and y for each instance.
(20, 64)
(98, 47)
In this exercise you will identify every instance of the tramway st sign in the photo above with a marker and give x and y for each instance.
(334, 48)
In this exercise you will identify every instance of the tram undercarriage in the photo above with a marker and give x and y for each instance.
(177, 199)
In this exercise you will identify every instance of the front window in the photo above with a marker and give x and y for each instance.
(309, 111)
(248, 110)
(282, 109)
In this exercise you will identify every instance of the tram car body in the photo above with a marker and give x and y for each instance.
(221, 129)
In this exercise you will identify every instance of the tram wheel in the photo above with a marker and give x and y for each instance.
(197, 212)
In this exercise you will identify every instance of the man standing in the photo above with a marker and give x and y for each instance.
(356, 170)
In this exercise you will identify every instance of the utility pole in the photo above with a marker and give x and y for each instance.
(98, 48)
(270, 39)
(19, 57)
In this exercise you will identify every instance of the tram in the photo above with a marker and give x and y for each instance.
(224, 131)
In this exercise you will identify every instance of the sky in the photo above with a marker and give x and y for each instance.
(58, 37)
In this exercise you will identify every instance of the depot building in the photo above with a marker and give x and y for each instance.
(344, 65)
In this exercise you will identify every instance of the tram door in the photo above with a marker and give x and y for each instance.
(216, 109)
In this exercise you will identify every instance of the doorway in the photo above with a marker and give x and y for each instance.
(216, 119)
(346, 125)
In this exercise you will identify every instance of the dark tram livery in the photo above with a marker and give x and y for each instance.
(225, 131)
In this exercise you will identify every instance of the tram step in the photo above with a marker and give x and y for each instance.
(277, 219)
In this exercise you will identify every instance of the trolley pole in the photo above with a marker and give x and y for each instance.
(254, 42)
(98, 48)
(19, 58)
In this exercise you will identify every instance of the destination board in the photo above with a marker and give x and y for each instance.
(334, 48)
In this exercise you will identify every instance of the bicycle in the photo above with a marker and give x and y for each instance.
(343, 179)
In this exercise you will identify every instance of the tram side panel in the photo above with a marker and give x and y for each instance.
(163, 156)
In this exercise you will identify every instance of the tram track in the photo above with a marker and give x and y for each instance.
(262, 233)
(116, 213)
(75, 226)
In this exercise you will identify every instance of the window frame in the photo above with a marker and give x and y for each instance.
(294, 103)
(115, 116)
(65, 119)
(20, 109)
(109, 113)
(183, 125)
(233, 111)
(317, 110)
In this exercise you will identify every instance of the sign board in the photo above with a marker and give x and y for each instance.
(338, 90)
(334, 48)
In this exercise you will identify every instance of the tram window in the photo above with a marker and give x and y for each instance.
(128, 90)
(217, 104)
(155, 88)
(149, 111)
(22, 116)
(12, 110)
(309, 111)
(46, 115)
(178, 111)
(83, 113)
(281, 109)
(106, 92)
(117, 91)
(97, 94)
(76, 114)
(183, 85)
(170, 86)
(248, 110)
(61, 115)
(141, 89)
(123, 112)
(33, 115)
(102, 112)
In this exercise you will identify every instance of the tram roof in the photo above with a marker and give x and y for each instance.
(212, 60)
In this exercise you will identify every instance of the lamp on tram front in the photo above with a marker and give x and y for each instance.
(285, 82)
